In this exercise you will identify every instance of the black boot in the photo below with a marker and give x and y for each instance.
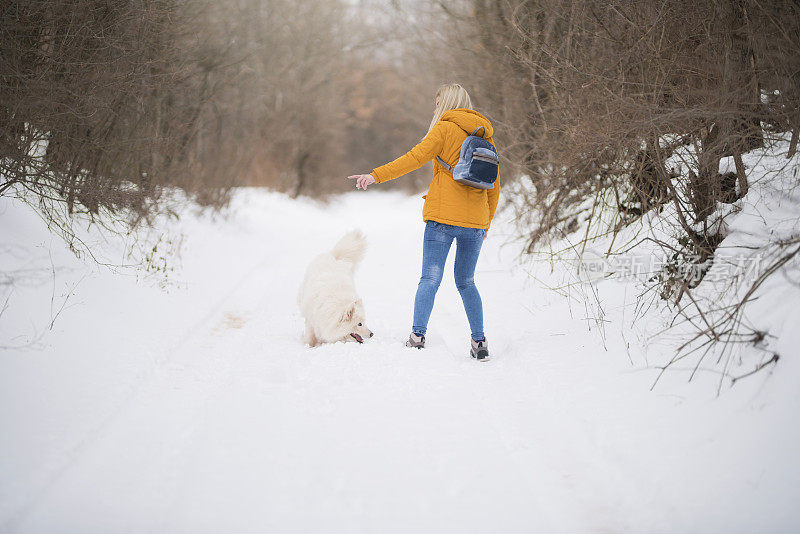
(479, 350)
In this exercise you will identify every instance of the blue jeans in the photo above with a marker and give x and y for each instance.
(438, 237)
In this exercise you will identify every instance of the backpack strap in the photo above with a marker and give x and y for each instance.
(474, 132)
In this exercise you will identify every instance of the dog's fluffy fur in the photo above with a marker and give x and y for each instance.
(327, 298)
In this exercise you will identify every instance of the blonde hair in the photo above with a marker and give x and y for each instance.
(451, 96)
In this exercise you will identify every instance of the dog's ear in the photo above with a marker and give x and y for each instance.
(347, 316)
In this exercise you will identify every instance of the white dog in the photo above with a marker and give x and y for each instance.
(327, 298)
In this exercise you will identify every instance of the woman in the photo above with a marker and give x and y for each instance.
(451, 211)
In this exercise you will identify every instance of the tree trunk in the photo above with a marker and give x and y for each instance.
(301, 174)
(740, 174)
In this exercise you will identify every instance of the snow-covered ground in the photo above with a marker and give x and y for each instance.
(196, 407)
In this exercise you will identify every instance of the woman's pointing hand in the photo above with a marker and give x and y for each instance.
(362, 180)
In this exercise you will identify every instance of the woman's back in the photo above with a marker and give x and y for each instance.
(447, 201)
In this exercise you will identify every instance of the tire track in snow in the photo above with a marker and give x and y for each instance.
(73, 455)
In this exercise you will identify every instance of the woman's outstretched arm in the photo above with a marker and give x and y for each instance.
(426, 150)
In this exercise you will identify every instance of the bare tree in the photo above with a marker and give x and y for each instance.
(593, 98)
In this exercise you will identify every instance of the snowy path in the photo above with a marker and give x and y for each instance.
(199, 410)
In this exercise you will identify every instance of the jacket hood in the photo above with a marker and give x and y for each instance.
(468, 120)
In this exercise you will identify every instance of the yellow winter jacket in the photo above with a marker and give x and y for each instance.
(447, 201)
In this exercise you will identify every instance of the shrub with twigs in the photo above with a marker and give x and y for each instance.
(642, 100)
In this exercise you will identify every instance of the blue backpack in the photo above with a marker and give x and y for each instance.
(478, 164)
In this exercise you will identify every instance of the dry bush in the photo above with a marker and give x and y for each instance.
(105, 104)
(591, 98)
(603, 92)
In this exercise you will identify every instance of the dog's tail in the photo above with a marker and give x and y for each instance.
(351, 247)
